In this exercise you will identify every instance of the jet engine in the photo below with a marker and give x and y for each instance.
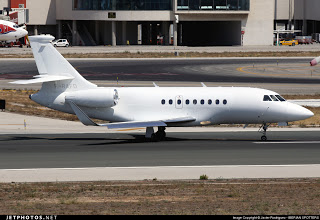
(94, 98)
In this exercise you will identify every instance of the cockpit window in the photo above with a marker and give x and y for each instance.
(274, 98)
(280, 98)
(266, 98)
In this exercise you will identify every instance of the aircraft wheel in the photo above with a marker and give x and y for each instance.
(158, 136)
(154, 137)
(264, 138)
(161, 135)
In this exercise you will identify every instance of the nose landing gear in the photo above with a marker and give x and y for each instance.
(263, 130)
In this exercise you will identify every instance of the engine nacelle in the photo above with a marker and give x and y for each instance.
(94, 98)
(315, 61)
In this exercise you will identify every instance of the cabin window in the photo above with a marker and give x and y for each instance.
(179, 101)
(266, 98)
(217, 101)
(170, 101)
(202, 102)
(163, 101)
(225, 102)
(209, 101)
(274, 98)
(280, 98)
(194, 101)
(187, 102)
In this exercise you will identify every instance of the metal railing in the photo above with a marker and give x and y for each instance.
(231, 5)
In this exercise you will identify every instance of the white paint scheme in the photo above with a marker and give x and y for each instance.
(14, 31)
(142, 106)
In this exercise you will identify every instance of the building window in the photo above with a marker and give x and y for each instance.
(232, 5)
(122, 5)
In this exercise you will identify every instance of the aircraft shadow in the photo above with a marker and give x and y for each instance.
(134, 139)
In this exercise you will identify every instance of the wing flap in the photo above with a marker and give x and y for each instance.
(179, 120)
(135, 124)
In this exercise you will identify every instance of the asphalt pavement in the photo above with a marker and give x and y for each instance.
(286, 75)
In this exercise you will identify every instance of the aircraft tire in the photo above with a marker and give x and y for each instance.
(154, 138)
(264, 138)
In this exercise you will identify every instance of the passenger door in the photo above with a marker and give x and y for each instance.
(179, 102)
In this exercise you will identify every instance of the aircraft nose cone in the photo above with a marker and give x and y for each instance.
(297, 112)
(23, 32)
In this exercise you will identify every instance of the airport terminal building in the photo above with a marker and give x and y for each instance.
(168, 22)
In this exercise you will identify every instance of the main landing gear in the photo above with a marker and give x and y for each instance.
(160, 135)
(263, 130)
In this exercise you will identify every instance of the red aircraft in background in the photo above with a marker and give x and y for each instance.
(10, 31)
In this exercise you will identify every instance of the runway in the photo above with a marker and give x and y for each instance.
(219, 70)
(184, 155)
(180, 149)
(43, 149)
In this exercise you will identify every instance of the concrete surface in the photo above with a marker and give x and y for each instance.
(14, 124)
(170, 49)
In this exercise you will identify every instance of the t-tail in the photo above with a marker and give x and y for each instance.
(61, 82)
(54, 70)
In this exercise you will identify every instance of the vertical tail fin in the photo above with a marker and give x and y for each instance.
(51, 63)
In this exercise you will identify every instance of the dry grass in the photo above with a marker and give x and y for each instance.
(190, 54)
(18, 101)
(217, 197)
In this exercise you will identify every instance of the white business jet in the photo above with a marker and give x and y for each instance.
(64, 89)
(10, 31)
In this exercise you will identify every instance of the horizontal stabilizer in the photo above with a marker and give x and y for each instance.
(44, 78)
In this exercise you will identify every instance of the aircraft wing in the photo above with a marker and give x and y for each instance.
(83, 117)
(156, 123)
